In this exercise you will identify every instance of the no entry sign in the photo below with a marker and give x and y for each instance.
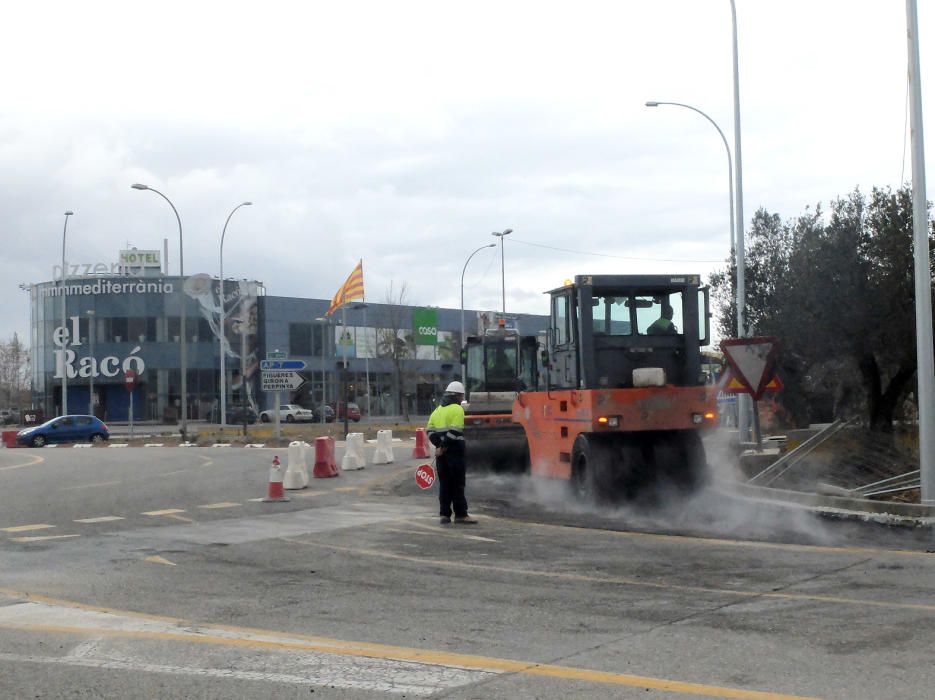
(425, 476)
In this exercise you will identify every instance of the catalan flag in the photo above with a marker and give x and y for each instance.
(351, 290)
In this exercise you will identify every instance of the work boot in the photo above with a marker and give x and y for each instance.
(445, 520)
(465, 520)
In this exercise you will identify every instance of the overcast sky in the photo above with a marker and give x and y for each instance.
(404, 133)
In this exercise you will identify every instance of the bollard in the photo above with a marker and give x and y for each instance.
(325, 465)
(296, 474)
(384, 452)
(353, 452)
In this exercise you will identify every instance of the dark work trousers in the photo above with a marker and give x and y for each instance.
(451, 478)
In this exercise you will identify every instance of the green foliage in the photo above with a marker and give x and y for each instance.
(837, 290)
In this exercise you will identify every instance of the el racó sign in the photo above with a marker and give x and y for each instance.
(109, 366)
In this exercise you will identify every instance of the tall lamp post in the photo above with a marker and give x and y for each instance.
(91, 355)
(183, 355)
(324, 346)
(743, 400)
(222, 336)
(730, 171)
(363, 307)
(64, 319)
(489, 245)
(501, 235)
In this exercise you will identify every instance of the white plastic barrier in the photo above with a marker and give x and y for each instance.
(353, 452)
(384, 452)
(296, 473)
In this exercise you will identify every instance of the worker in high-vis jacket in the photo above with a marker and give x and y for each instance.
(445, 430)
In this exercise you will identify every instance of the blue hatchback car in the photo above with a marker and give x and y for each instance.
(65, 429)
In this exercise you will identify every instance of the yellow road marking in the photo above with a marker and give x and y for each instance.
(42, 538)
(156, 559)
(307, 494)
(168, 511)
(617, 580)
(35, 459)
(26, 528)
(223, 504)
(90, 486)
(346, 489)
(181, 517)
(324, 645)
(101, 519)
(751, 544)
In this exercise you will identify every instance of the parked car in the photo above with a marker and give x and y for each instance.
(9, 416)
(353, 411)
(329, 414)
(288, 412)
(236, 412)
(65, 429)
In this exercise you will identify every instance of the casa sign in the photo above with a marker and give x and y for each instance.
(109, 366)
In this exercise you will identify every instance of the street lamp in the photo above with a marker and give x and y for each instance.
(183, 355)
(324, 396)
(366, 360)
(489, 245)
(64, 319)
(222, 335)
(91, 355)
(501, 236)
(730, 171)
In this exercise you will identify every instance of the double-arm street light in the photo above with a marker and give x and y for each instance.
(325, 323)
(64, 319)
(222, 335)
(91, 355)
(489, 245)
(183, 355)
(501, 235)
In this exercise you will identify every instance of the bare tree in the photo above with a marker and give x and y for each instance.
(14, 372)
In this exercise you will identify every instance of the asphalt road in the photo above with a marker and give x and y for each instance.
(155, 573)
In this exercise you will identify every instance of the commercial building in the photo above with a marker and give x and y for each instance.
(97, 321)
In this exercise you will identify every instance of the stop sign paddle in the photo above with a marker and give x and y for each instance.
(425, 476)
(129, 379)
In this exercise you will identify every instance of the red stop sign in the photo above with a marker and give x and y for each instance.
(425, 476)
(129, 379)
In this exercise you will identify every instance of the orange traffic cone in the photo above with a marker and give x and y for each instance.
(421, 449)
(275, 492)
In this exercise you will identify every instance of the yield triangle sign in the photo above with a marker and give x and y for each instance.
(753, 361)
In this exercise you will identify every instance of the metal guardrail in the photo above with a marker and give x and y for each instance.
(775, 470)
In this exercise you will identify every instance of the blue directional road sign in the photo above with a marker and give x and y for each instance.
(282, 364)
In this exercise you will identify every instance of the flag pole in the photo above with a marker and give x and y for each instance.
(344, 355)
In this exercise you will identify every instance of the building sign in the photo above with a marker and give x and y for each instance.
(425, 326)
(88, 366)
(134, 258)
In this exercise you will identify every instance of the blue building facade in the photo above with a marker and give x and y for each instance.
(389, 359)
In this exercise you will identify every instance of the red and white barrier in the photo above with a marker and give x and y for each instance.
(275, 493)
(296, 473)
(325, 464)
(384, 452)
(421, 450)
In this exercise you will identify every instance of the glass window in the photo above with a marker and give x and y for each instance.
(300, 339)
(84, 420)
(659, 315)
(474, 370)
(560, 335)
(611, 315)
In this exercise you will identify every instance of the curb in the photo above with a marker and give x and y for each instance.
(912, 514)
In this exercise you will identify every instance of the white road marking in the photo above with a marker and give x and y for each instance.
(167, 511)
(101, 519)
(42, 538)
(224, 504)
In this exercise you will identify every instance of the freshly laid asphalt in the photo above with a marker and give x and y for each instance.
(158, 575)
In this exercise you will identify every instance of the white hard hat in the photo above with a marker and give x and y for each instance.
(455, 388)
